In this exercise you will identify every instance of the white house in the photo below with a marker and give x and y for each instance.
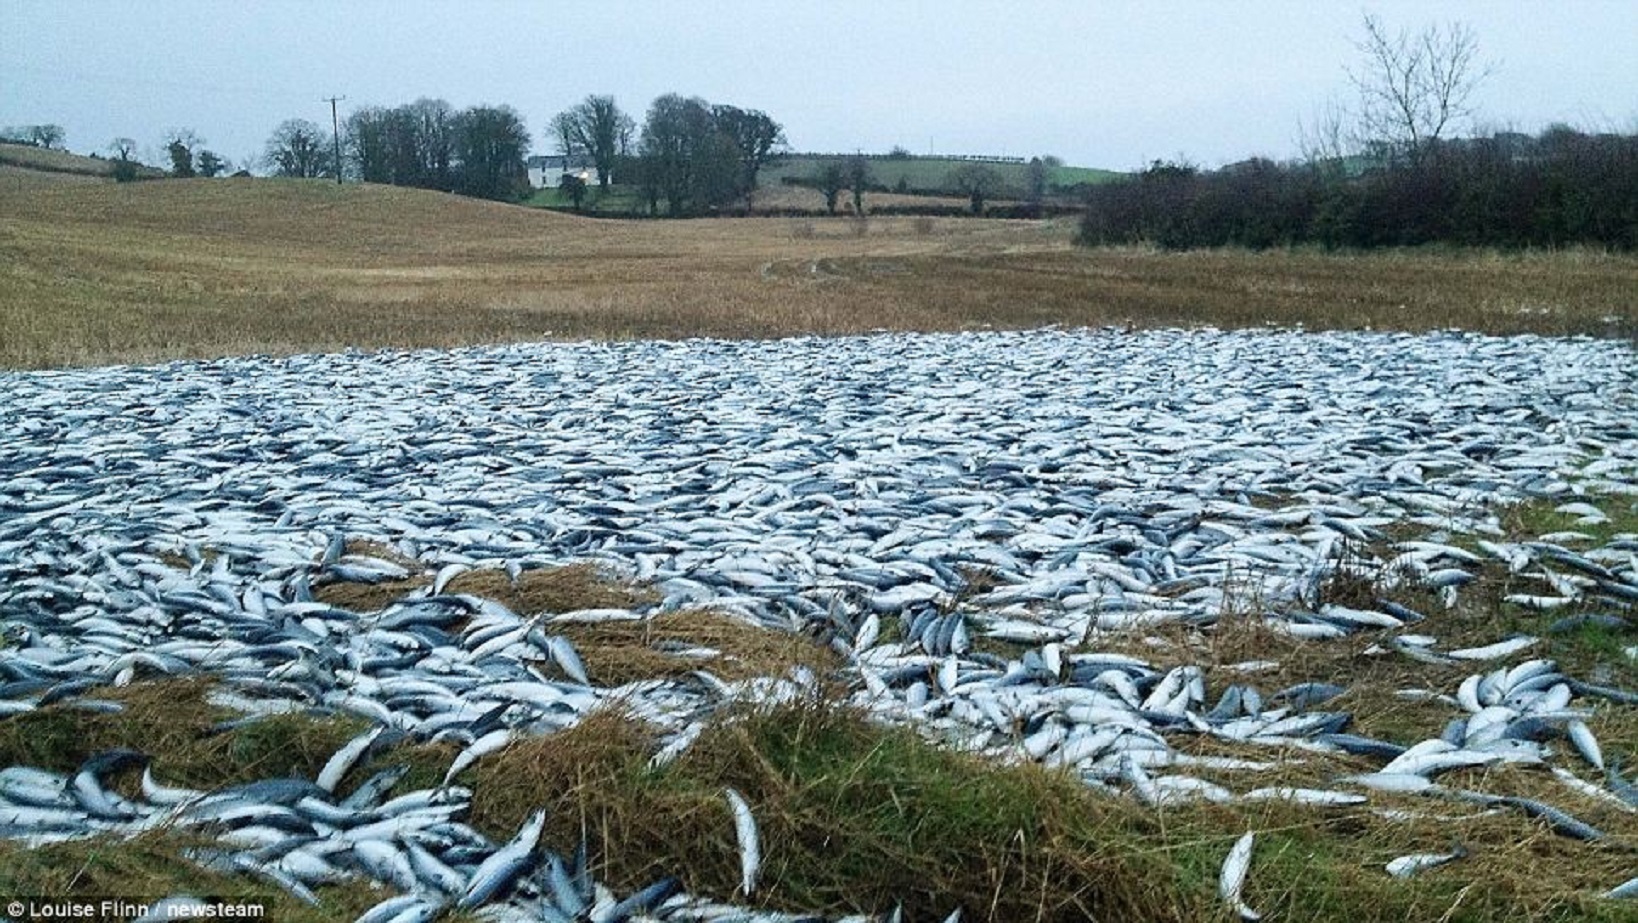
(547, 170)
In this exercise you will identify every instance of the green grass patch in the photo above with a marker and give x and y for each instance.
(1534, 518)
(617, 199)
(934, 174)
(856, 817)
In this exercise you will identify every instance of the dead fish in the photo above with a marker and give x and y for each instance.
(1406, 866)
(1232, 877)
(750, 847)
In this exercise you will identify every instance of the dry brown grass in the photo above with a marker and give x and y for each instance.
(26, 157)
(616, 653)
(191, 268)
(553, 589)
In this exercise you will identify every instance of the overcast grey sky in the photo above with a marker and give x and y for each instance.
(1108, 84)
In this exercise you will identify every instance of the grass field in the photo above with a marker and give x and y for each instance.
(102, 273)
(47, 160)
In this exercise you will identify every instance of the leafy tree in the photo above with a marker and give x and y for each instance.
(639, 171)
(181, 160)
(754, 137)
(858, 178)
(179, 145)
(409, 145)
(491, 143)
(427, 143)
(298, 148)
(977, 182)
(685, 161)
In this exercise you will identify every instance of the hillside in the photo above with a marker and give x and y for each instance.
(105, 272)
(353, 221)
(46, 160)
(96, 272)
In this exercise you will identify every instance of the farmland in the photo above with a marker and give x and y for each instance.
(98, 273)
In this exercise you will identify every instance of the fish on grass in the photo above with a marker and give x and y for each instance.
(1233, 876)
(750, 848)
(1406, 866)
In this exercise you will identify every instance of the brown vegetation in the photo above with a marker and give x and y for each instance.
(99, 273)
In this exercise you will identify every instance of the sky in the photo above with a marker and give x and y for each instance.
(1100, 84)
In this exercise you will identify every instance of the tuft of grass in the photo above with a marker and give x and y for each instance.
(171, 720)
(853, 816)
(554, 589)
(367, 597)
(1540, 516)
(664, 646)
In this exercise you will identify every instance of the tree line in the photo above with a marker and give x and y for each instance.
(1509, 190)
(688, 157)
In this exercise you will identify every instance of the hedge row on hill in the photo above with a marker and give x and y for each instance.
(1510, 190)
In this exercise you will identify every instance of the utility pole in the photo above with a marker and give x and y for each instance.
(335, 126)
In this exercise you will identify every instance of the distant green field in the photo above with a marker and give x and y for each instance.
(932, 174)
(616, 199)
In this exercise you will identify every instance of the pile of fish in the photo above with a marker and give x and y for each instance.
(897, 496)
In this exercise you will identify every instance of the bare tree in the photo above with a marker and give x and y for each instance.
(1037, 175)
(123, 168)
(858, 179)
(211, 164)
(298, 148)
(47, 136)
(565, 129)
(595, 127)
(1324, 140)
(831, 179)
(1413, 88)
(977, 182)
